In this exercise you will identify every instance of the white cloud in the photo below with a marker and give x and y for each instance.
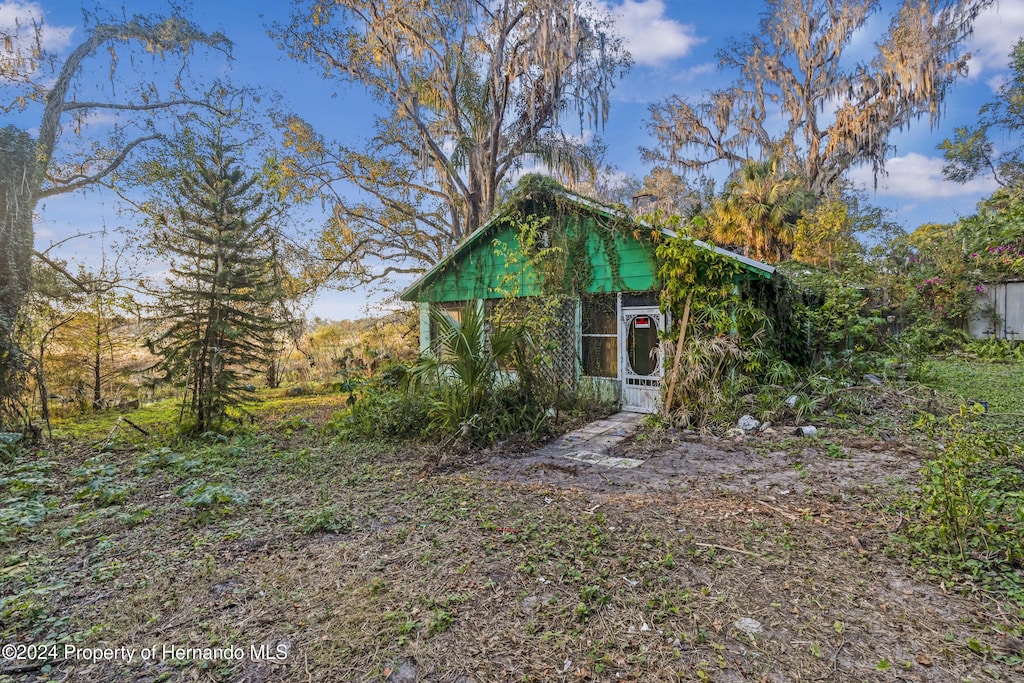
(20, 39)
(996, 31)
(695, 72)
(612, 178)
(650, 36)
(996, 82)
(916, 177)
(18, 20)
(99, 118)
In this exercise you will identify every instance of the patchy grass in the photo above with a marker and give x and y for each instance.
(96, 425)
(1000, 385)
(330, 560)
(160, 418)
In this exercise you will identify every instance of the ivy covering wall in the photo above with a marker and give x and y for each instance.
(545, 242)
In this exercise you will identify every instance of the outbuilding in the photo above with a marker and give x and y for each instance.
(597, 268)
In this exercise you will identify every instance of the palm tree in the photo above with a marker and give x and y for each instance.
(466, 365)
(759, 209)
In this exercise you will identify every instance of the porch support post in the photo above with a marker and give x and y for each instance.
(620, 347)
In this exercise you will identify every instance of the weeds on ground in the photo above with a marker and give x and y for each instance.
(156, 418)
(382, 412)
(326, 519)
(25, 492)
(969, 510)
(993, 349)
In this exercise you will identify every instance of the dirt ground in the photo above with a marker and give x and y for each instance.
(773, 466)
(762, 558)
(834, 495)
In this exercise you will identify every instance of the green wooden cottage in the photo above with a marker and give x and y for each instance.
(601, 265)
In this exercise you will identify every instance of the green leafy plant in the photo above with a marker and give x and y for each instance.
(24, 499)
(835, 451)
(210, 499)
(805, 406)
(466, 370)
(387, 412)
(157, 458)
(101, 485)
(969, 511)
(993, 349)
(326, 519)
(716, 355)
(440, 621)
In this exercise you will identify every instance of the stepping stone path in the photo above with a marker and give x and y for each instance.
(593, 443)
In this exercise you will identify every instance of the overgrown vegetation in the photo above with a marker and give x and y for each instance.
(43, 84)
(478, 379)
(717, 350)
(117, 530)
(16, 202)
(337, 548)
(968, 517)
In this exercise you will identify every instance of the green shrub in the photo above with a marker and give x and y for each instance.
(384, 412)
(996, 350)
(464, 371)
(969, 512)
(515, 411)
(473, 394)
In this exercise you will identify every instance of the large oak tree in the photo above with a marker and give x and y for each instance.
(467, 90)
(836, 111)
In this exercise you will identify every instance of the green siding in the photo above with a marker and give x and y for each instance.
(488, 267)
(607, 390)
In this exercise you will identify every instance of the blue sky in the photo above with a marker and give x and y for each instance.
(673, 43)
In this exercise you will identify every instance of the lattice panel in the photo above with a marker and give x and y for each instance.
(551, 322)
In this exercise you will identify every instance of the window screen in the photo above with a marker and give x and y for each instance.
(600, 336)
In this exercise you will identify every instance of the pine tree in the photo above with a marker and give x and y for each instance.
(217, 311)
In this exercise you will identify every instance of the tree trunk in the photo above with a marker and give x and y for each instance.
(273, 382)
(97, 375)
(17, 179)
(44, 392)
(679, 354)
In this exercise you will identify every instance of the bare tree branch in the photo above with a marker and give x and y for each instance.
(57, 266)
(74, 105)
(77, 182)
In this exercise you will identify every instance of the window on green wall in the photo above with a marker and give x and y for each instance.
(453, 309)
(600, 336)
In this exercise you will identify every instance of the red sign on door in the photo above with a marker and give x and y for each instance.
(642, 322)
